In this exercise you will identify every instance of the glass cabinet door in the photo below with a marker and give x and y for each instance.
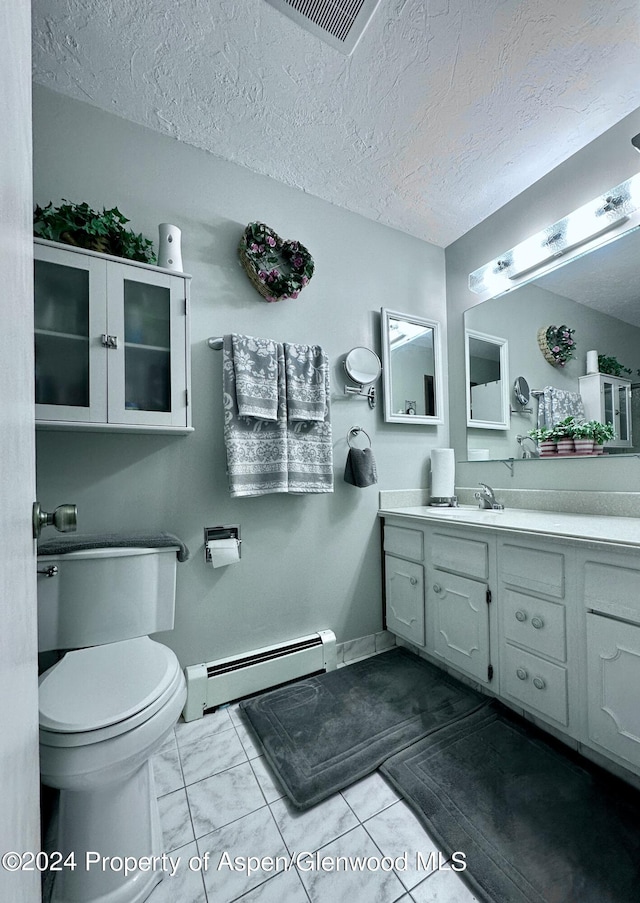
(69, 377)
(147, 347)
(147, 369)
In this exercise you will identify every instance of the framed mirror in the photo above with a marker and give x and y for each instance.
(412, 368)
(487, 369)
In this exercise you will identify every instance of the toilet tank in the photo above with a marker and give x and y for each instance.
(100, 596)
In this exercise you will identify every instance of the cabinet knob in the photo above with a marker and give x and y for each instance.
(537, 622)
(437, 588)
(521, 615)
(413, 581)
(521, 674)
(539, 683)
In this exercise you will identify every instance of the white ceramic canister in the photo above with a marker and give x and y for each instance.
(169, 247)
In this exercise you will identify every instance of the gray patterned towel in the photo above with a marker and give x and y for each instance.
(255, 363)
(305, 367)
(256, 447)
(556, 404)
(266, 456)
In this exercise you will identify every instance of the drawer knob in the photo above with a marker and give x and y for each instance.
(413, 581)
(537, 622)
(539, 683)
(521, 615)
(521, 674)
(437, 588)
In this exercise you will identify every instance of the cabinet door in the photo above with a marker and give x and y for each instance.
(404, 594)
(460, 616)
(70, 322)
(616, 408)
(147, 371)
(613, 675)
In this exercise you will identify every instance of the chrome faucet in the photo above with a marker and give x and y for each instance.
(487, 499)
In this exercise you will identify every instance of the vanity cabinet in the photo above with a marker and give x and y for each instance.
(541, 609)
(111, 343)
(608, 400)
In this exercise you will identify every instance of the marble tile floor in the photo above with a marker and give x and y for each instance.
(219, 801)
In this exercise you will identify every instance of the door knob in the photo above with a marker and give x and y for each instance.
(64, 519)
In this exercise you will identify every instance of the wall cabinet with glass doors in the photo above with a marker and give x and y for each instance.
(608, 400)
(111, 343)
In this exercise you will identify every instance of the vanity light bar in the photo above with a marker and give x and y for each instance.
(587, 223)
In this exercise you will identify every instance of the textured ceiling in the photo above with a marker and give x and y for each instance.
(446, 110)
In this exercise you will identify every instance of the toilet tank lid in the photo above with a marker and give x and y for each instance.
(74, 542)
(103, 685)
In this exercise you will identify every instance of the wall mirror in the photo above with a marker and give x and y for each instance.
(412, 374)
(362, 366)
(487, 370)
(597, 294)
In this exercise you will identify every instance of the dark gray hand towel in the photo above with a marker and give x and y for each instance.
(360, 469)
(59, 545)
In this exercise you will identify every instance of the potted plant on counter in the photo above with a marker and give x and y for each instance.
(563, 434)
(602, 432)
(583, 437)
(546, 443)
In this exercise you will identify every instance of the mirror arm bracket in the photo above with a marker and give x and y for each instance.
(367, 392)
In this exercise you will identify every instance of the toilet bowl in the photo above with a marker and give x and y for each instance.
(104, 711)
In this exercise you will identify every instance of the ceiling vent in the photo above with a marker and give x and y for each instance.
(340, 23)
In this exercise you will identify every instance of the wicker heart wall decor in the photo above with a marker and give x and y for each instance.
(278, 269)
(557, 344)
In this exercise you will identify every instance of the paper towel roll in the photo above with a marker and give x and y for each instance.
(592, 361)
(443, 473)
(223, 552)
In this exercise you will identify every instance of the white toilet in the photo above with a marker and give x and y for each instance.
(105, 708)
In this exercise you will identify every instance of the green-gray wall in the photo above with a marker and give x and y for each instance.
(307, 562)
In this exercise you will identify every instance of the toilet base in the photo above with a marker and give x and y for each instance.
(103, 828)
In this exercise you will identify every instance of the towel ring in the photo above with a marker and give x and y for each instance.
(356, 430)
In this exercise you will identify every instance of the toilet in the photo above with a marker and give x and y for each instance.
(105, 708)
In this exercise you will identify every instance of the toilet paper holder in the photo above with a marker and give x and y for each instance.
(225, 531)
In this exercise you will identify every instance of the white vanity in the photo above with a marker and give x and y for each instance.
(540, 608)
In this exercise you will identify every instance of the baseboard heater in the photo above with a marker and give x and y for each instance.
(215, 683)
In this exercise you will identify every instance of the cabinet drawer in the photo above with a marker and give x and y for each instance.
(612, 589)
(404, 541)
(537, 684)
(534, 569)
(465, 556)
(535, 623)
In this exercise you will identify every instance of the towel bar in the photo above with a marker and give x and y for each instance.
(215, 342)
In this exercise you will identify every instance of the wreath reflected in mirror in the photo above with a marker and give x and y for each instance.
(557, 344)
(278, 269)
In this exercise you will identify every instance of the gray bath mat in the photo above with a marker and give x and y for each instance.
(322, 733)
(537, 823)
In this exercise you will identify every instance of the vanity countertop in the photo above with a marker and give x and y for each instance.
(585, 527)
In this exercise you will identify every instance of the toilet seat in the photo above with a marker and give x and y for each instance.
(102, 691)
